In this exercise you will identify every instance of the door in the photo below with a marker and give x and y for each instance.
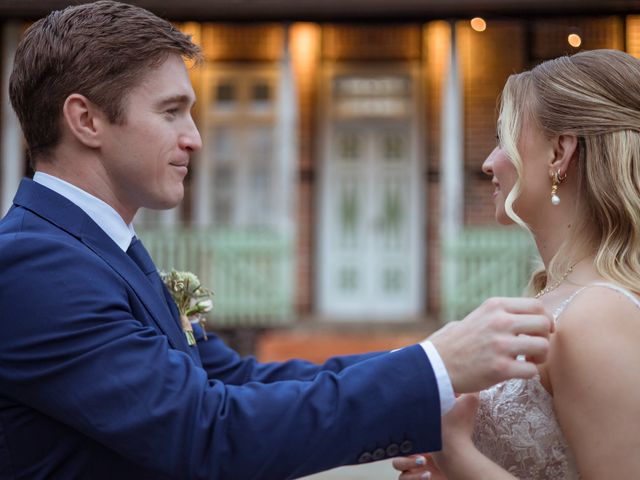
(370, 260)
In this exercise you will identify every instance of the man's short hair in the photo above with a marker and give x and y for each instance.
(99, 50)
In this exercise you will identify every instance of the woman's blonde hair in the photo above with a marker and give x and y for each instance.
(594, 95)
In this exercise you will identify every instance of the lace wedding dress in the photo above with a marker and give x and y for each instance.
(516, 426)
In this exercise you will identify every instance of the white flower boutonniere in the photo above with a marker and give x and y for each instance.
(191, 298)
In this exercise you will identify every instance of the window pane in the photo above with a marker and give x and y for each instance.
(223, 144)
(223, 187)
(226, 92)
(382, 96)
(225, 97)
(260, 208)
(261, 97)
(262, 92)
(261, 142)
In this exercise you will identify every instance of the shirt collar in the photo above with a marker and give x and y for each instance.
(100, 212)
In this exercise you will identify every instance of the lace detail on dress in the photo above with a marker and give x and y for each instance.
(516, 426)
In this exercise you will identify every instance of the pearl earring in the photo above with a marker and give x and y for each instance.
(556, 180)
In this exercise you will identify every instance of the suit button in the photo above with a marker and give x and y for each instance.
(378, 454)
(364, 458)
(406, 446)
(393, 450)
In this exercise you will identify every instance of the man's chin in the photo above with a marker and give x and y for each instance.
(166, 203)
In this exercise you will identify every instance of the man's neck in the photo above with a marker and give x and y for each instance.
(100, 212)
(87, 179)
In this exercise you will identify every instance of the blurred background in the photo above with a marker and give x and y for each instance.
(338, 203)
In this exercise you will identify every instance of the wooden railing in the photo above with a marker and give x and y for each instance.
(484, 262)
(250, 272)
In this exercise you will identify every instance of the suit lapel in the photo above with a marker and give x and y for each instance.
(70, 218)
(93, 237)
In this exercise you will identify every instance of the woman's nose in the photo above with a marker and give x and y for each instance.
(487, 165)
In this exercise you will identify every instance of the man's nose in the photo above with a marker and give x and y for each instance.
(191, 139)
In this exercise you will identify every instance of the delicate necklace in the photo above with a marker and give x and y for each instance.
(555, 285)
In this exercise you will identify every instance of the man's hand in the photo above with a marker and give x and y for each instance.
(481, 350)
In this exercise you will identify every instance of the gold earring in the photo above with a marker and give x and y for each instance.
(556, 180)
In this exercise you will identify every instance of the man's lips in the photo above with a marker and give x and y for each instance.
(184, 163)
(183, 167)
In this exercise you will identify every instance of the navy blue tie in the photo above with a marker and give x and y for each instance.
(139, 254)
(141, 257)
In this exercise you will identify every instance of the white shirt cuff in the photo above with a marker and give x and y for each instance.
(445, 389)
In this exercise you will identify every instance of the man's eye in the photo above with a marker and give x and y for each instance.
(172, 112)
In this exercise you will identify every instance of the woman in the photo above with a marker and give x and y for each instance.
(567, 167)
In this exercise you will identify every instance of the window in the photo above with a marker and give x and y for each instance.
(239, 127)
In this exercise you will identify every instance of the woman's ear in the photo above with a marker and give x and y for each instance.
(565, 150)
(83, 119)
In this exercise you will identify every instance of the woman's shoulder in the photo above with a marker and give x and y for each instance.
(595, 301)
(600, 319)
(597, 318)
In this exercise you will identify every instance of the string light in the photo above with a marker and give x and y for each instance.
(574, 40)
(478, 24)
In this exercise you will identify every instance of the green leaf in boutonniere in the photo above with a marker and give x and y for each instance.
(191, 298)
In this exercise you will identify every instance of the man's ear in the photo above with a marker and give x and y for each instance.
(83, 119)
(565, 151)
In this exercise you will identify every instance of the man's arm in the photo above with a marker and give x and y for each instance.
(468, 355)
(225, 364)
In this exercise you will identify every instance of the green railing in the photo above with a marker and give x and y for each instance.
(484, 262)
(250, 272)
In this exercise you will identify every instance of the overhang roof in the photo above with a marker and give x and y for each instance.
(340, 10)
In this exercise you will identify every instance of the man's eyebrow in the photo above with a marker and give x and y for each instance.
(176, 99)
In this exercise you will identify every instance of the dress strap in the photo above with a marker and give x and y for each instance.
(558, 311)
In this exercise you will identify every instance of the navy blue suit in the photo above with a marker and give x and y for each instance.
(97, 380)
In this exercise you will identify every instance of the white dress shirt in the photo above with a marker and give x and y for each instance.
(100, 212)
(445, 389)
(114, 226)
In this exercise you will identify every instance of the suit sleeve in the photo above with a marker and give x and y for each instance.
(225, 364)
(71, 349)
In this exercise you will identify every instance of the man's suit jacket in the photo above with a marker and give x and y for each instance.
(97, 380)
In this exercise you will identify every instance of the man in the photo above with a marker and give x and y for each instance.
(96, 378)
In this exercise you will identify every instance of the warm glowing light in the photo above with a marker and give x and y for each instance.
(478, 24)
(305, 54)
(304, 43)
(574, 40)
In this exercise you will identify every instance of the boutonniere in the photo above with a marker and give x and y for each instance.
(191, 298)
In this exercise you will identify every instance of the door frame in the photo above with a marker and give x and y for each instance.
(416, 118)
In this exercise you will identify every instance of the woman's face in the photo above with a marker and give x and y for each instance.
(504, 176)
(536, 153)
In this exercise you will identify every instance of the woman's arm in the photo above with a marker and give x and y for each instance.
(593, 369)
